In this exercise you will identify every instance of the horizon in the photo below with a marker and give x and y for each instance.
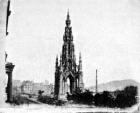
(105, 32)
(86, 87)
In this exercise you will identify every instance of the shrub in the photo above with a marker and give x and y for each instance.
(105, 99)
(18, 100)
(81, 97)
(127, 97)
(50, 100)
(121, 99)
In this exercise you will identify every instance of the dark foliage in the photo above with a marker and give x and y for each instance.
(105, 99)
(18, 100)
(50, 100)
(40, 92)
(127, 97)
(81, 97)
(121, 99)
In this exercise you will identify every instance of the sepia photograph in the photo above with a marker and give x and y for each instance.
(69, 56)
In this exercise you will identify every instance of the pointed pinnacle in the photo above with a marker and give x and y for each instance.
(80, 56)
(68, 16)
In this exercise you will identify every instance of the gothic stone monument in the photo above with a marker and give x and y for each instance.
(66, 68)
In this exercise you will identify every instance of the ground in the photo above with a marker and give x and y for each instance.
(43, 108)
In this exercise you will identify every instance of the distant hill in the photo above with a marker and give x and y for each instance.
(114, 85)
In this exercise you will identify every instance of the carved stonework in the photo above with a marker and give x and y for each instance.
(67, 68)
(9, 69)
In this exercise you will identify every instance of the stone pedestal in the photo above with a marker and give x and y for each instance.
(9, 69)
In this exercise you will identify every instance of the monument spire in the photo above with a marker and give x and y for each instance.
(96, 82)
(61, 62)
(56, 63)
(80, 62)
(68, 21)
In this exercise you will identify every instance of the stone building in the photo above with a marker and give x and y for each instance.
(43, 87)
(30, 87)
(27, 87)
(17, 83)
(66, 68)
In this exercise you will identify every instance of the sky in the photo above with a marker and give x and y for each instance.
(106, 32)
